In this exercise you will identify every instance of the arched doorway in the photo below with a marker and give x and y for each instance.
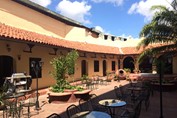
(146, 65)
(104, 67)
(6, 67)
(129, 63)
(84, 68)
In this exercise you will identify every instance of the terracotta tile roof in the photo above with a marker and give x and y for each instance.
(130, 50)
(23, 35)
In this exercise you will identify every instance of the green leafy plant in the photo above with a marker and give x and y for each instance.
(84, 77)
(127, 70)
(136, 70)
(1, 99)
(2, 93)
(63, 66)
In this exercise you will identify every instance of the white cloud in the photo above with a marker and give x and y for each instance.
(99, 28)
(74, 10)
(116, 2)
(143, 7)
(43, 3)
(128, 37)
(125, 36)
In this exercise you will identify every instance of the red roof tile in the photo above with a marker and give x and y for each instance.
(130, 50)
(24, 35)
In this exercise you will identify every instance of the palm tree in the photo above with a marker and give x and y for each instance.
(161, 32)
(174, 4)
(160, 35)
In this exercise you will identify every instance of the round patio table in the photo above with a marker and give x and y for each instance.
(112, 103)
(91, 114)
(12, 105)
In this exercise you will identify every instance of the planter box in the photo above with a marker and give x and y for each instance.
(68, 96)
(59, 97)
(82, 94)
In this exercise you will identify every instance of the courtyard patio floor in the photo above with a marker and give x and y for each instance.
(106, 91)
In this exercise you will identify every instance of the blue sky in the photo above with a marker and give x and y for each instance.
(116, 17)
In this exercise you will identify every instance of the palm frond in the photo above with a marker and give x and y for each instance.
(174, 4)
(159, 7)
(157, 50)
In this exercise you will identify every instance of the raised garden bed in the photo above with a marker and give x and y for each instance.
(82, 94)
(68, 96)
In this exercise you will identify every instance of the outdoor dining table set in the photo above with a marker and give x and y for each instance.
(112, 104)
(91, 114)
(126, 103)
(12, 105)
(16, 103)
(74, 111)
(94, 82)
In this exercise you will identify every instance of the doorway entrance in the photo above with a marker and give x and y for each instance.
(6, 68)
(84, 68)
(104, 67)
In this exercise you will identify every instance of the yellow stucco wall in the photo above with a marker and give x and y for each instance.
(75, 33)
(31, 20)
(22, 65)
(90, 64)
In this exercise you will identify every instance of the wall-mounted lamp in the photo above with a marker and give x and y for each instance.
(19, 57)
(8, 47)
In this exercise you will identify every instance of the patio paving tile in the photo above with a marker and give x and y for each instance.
(106, 91)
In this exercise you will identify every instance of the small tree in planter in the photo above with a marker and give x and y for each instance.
(127, 70)
(136, 70)
(63, 66)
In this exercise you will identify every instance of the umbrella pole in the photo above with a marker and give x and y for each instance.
(161, 103)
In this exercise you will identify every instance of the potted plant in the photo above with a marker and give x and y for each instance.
(127, 70)
(63, 67)
(84, 78)
(136, 70)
